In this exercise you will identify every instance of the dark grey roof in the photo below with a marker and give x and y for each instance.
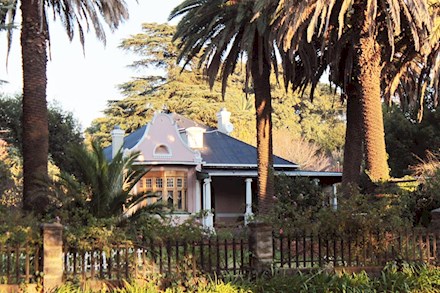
(219, 148)
(222, 149)
(129, 141)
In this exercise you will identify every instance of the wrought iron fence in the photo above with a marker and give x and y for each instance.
(120, 261)
(307, 250)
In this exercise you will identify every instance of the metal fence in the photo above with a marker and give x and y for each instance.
(308, 250)
(211, 255)
(233, 256)
(20, 263)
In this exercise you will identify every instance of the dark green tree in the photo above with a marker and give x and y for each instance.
(64, 130)
(409, 141)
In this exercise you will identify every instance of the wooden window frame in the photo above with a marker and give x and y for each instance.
(179, 190)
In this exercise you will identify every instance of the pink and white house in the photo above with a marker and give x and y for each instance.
(195, 168)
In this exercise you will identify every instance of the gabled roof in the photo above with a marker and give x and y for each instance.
(220, 150)
(129, 141)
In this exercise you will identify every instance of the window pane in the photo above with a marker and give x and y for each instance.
(170, 182)
(170, 200)
(179, 182)
(141, 183)
(159, 183)
(179, 200)
(148, 183)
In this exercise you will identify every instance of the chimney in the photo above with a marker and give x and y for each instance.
(223, 123)
(195, 137)
(117, 140)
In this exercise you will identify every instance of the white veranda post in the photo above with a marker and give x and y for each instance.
(248, 213)
(208, 220)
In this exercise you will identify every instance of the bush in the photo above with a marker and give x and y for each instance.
(302, 206)
(298, 202)
(17, 228)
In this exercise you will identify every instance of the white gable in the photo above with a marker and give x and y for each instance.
(163, 143)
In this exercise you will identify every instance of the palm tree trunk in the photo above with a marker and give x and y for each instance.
(260, 71)
(370, 68)
(35, 117)
(353, 139)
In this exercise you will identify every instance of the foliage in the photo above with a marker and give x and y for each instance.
(106, 184)
(361, 214)
(425, 199)
(17, 228)
(395, 277)
(147, 228)
(64, 130)
(409, 141)
(303, 206)
(10, 175)
(297, 204)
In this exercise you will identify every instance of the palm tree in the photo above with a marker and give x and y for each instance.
(223, 31)
(356, 38)
(412, 75)
(108, 184)
(34, 39)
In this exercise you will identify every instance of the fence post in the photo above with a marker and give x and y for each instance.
(435, 220)
(434, 227)
(260, 245)
(52, 256)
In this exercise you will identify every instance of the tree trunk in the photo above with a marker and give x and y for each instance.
(370, 68)
(353, 139)
(35, 117)
(260, 71)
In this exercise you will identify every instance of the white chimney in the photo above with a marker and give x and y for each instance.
(223, 123)
(117, 140)
(195, 137)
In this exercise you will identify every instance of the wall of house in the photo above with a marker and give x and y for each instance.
(229, 197)
(190, 179)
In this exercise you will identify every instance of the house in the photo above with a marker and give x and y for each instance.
(195, 168)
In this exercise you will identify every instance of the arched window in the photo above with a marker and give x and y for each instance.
(162, 151)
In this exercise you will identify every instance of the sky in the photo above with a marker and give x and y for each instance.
(82, 83)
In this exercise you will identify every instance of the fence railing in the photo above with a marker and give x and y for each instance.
(19, 263)
(212, 255)
(233, 256)
(310, 250)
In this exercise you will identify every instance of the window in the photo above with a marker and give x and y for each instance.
(162, 151)
(170, 187)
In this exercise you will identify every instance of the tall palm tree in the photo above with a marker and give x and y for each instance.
(74, 15)
(224, 31)
(357, 37)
